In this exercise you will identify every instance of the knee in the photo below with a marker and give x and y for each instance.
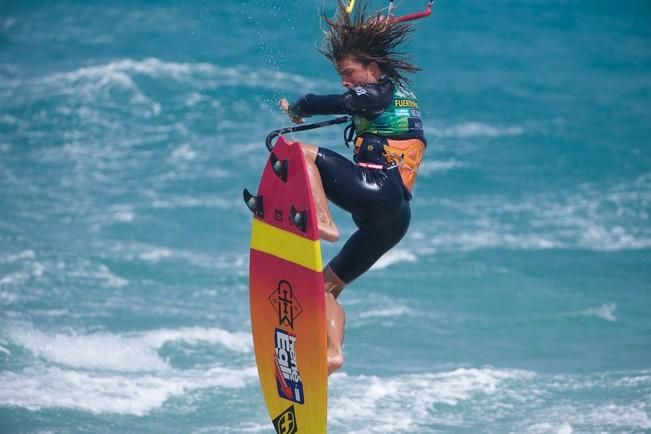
(332, 284)
(310, 152)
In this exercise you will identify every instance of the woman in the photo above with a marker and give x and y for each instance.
(389, 145)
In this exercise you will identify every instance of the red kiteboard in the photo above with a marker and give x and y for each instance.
(286, 294)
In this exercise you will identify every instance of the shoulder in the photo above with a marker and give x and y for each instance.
(383, 87)
(402, 91)
(371, 98)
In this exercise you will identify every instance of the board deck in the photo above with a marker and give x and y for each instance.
(286, 296)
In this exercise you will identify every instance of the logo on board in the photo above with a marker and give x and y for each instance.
(285, 422)
(285, 304)
(288, 379)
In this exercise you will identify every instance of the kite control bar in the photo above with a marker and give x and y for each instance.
(305, 127)
(409, 17)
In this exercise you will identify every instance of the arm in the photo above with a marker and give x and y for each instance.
(310, 104)
(368, 101)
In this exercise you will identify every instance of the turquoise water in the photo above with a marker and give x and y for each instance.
(519, 302)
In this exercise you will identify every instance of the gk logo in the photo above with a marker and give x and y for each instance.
(285, 304)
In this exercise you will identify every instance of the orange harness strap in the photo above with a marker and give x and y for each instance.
(407, 155)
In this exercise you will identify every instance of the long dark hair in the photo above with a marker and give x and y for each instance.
(367, 38)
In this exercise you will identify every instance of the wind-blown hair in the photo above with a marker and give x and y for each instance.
(368, 38)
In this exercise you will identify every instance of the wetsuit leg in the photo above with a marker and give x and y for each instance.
(367, 245)
(379, 206)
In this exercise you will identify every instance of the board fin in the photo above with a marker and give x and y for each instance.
(279, 166)
(299, 218)
(254, 203)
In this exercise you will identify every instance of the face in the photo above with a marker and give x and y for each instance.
(354, 73)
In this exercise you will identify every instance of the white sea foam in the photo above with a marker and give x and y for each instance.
(642, 378)
(251, 148)
(631, 417)
(155, 254)
(613, 219)
(474, 129)
(95, 351)
(184, 153)
(130, 352)
(123, 214)
(115, 373)
(384, 400)
(480, 400)
(617, 416)
(14, 257)
(233, 341)
(120, 84)
(588, 218)
(82, 269)
(391, 312)
(393, 257)
(25, 267)
(193, 99)
(12, 120)
(198, 74)
(110, 279)
(92, 82)
(605, 311)
(605, 413)
(428, 167)
(488, 238)
(38, 387)
(172, 202)
(566, 428)
(550, 428)
(7, 298)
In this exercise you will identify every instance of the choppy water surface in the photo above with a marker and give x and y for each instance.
(519, 302)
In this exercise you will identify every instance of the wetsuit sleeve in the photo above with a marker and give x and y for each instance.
(368, 101)
(310, 104)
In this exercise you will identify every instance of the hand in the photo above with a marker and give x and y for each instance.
(284, 105)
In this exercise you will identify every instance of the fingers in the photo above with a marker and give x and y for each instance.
(284, 105)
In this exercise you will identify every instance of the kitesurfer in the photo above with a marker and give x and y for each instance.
(376, 187)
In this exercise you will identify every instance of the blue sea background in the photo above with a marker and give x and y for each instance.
(519, 301)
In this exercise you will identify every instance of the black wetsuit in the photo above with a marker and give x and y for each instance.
(374, 194)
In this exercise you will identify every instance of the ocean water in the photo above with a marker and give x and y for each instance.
(519, 301)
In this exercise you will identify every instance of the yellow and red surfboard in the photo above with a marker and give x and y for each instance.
(286, 295)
